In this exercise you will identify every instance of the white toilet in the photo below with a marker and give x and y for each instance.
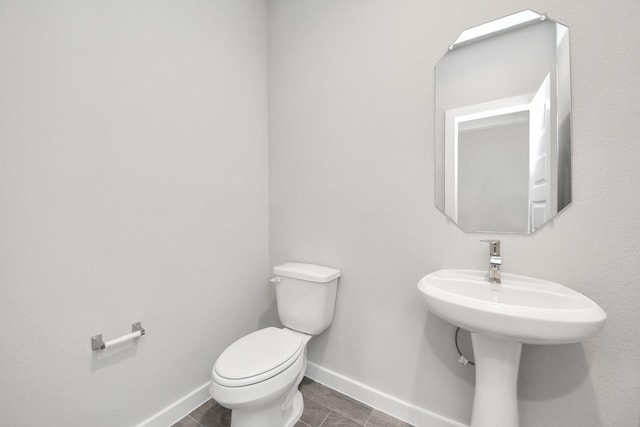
(257, 376)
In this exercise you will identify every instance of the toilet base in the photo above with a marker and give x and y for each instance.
(296, 410)
(275, 415)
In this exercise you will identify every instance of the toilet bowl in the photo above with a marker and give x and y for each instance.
(257, 376)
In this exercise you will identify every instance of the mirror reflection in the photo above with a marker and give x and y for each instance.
(503, 139)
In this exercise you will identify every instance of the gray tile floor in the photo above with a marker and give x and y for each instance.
(323, 407)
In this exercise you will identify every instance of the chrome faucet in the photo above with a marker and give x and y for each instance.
(495, 261)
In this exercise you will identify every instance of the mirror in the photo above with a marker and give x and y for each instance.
(503, 125)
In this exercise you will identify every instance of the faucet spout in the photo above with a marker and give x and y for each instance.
(494, 274)
(495, 261)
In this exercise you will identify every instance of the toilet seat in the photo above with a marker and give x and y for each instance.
(257, 357)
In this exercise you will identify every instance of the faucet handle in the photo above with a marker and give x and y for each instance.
(494, 247)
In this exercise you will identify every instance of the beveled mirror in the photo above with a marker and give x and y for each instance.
(503, 125)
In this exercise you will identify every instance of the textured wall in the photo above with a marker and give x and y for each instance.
(133, 186)
(351, 185)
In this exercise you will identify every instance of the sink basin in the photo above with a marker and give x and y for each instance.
(502, 317)
(524, 309)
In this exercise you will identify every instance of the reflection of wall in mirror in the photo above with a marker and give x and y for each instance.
(493, 177)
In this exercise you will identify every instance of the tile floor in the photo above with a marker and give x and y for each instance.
(323, 407)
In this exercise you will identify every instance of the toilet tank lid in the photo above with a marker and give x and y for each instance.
(308, 272)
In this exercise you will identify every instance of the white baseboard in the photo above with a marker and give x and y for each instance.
(384, 402)
(178, 409)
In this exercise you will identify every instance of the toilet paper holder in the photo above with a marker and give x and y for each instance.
(97, 343)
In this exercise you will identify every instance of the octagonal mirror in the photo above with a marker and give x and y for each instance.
(503, 125)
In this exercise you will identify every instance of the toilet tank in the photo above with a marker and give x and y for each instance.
(306, 296)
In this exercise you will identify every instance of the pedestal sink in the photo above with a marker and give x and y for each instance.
(502, 317)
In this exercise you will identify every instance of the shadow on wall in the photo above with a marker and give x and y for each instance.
(343, 320)
(440, 335)
(270, 316)
(438, 353)
(551, 374)
(551, 371)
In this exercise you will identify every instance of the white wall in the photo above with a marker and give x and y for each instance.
(351, 185)
(133, 186)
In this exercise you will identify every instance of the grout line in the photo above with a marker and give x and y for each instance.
(368, 418)
(194, 420)
(325, 418)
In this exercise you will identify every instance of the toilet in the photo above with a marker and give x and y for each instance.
(257, 376)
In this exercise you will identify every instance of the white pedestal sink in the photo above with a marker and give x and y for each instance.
(502, 317)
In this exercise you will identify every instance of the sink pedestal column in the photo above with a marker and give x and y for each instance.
(495, 401)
